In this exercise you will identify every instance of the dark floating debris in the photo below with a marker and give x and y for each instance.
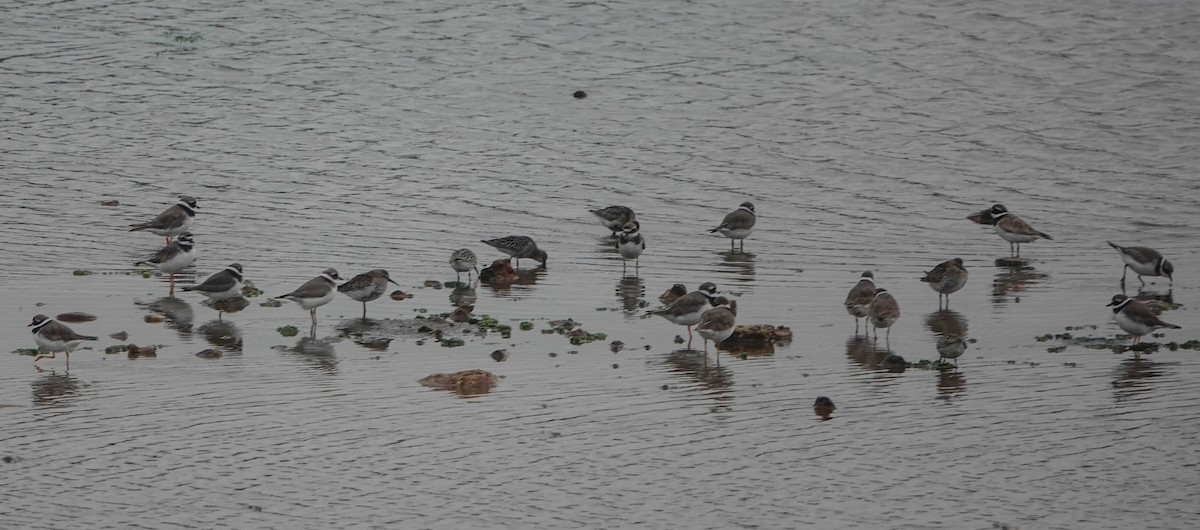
(110, 202)
(400, 295)
(433, 284)
(138, 352)
(209, 353)
(500, 355)
(616, 346)
(75, 317)
(466, 383)
(824, 407)
(120, 335)
(579, 94)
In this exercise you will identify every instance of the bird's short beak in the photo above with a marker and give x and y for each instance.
(1110, 304)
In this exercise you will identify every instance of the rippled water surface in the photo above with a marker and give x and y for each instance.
(367, 135)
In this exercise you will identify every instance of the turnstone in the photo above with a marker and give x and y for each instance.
(1144, 261)
(173, 221)
(54, 336)
(883, 311)
(1135, 317)
(614, 218)
(672, 294)
(948, 277)
(860, 297)
(718, 323)
(366, 287)
(518, 247)
(314, 293)
(463, 260)
(174, 257)
(687, 309)
(630, 243)
(738, 224)
(1010, 227)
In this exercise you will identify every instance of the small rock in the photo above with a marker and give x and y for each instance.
(824, 407)
(579, 94)
(136, 351)
(120, 335)
(75, 317)
(400, 295)
(616, 346)
(210, 353)
(110, 202)
(433, 283)
(154, 318)
(500, 355)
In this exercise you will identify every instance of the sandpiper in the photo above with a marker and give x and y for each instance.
(366, 287)
(1144, 262)
(883, 312)
(173, 221)
(518, 247)
(463, 260)
(948, 277)
(614, 218)
(54, 336)
(860, 297)
(1009, 227)
(315, 293)
(738, 225)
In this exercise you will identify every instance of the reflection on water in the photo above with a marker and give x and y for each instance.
(867, 353)
(231, 305)
(358, 330)
(946, 323)
(55, 390)
(319, 354)
(694, 365)
(222, 334)
(1154, 296)
(523, 280)
(178, 312)
(1014, 278)
(631, 291)
(738, 264)
(1132, 378)
(950, 382)
(463, 295)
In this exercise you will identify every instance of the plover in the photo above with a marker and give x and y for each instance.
(54, 336)
(860, 297)
(1009, 227)
(1135, 317)
(226, 284)
(173, 221)
(1144, 262)
(630, 244)
(687, 309)
(718, 323)
(738, 225)
(883, 311)
(314, 293)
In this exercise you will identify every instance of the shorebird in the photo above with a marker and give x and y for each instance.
(173, 258)
(463, 260)
(948, 277)
(173, 221)
(1136, 318)
(366, 287)
(226, 284)
(315, 293)
(518, 247)
(1009, 227)
(883, 312)
(1144, 262)
(718, 323)
(54, 336)
(860, 297)
(687, 309)
(614, 218)
(738, 225)
(630, 244)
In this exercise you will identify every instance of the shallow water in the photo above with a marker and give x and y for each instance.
(385, 135)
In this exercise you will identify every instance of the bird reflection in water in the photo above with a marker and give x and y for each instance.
(1154, 296)
(739, 264)
(950, 382)
(1132, 378)
(694, 365)
(229, 305)
(318, 353)
(55, 390)
(866, 352)
(1015, 276)
(178, 312)
(359, 331)
(223, 334)
(631, 291)
(502, 277)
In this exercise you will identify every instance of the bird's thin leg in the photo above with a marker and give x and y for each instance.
(364, 310)
(689, 328)
(313, 313)
(68, 361)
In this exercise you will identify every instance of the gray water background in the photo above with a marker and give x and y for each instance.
(379, 134)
